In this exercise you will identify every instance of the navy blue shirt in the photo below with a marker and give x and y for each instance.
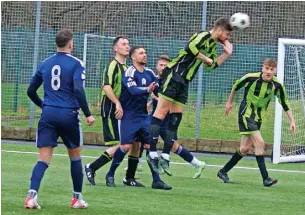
(62, 76)
(134, 94)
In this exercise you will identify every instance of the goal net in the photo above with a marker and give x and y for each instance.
(96, 54)
(291, 70)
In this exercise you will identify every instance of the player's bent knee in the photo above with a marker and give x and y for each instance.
(175, 146)
(259, 151)
(160, 115)
(73, 153)
(112, 150)
(146, 146)
(244, 150)
(174, 121)
(126, 147)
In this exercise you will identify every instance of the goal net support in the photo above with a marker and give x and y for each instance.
(291, 71)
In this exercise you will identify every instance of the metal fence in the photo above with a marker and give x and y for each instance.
(28, 30)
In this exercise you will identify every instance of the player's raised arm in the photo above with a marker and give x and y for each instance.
(35, 83)
(228, 49)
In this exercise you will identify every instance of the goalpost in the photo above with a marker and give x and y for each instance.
(291, 71)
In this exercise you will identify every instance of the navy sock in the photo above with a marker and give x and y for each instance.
(154, 132)
(37, 174)
(76, 174)
(117, 159)
(154, 174)
(185, 154)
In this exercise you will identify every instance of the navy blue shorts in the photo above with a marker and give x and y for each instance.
(59, 122)
(132, 130)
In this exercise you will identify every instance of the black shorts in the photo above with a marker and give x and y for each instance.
(111, 130)
(248, 125)
(173, 87)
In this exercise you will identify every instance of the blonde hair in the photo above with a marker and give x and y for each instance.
(270, 62)
(163, 57)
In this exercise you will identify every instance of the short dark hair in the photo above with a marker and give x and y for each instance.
(115, 41)
(223, 23)
(163, 57)
(270, 62)
(133, 49)
(63, 37)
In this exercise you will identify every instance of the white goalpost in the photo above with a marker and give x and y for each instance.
(291, 71)
(92, 36)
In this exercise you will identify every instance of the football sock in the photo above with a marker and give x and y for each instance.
(232, 162)
(132, 167)
(77, 174)
(185, 154)
(37, 175)
(262, 166)
(101, 161)
(154, 132)
(117, 159)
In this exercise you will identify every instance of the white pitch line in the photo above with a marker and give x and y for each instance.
(178, 163)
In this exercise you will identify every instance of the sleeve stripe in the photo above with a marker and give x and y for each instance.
(80, 61)
(130, 72)
(110, 71)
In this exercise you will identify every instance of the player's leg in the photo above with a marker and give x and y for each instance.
(111, 137)
(133, 160)
(188, 157)
(157, 182)
(77, 178)
(259, 154)
(245, 146)
(141, 161)
(144, 137)
(131, 153)
(70, 131)
(161, 111)
(167, 92)
(45, 155)
(127, 137)
(175, 118)
(46, 139)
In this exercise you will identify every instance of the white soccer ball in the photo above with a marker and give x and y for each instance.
(240, 21)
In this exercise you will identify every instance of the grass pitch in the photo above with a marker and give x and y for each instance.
(206, 195)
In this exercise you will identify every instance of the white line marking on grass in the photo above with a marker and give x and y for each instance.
(177, 163)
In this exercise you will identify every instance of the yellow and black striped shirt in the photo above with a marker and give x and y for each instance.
(186, 63)
(112, 76)
(258, 94)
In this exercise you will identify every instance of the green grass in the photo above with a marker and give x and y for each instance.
(206, 195)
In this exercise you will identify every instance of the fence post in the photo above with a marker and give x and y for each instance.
(36, 46)
(200, 74)
(16, 96)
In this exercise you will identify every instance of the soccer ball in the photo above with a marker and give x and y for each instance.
(240, 21)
